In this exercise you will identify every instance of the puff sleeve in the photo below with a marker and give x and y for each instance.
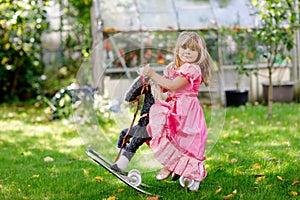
(190, 72)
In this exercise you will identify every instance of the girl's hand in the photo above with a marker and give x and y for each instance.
(170, 66)
(148, 71)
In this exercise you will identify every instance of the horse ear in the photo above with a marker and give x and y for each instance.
(134, 90)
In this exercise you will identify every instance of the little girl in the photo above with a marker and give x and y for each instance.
(177, 126)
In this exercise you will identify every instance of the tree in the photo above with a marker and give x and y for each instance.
(21, 27)
(74, 44)
(243, 52)
(78, 14)
(275, 34)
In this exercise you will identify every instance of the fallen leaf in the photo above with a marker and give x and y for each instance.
(230, 195)
(258, 179)
(48, 159)
(26, 153)
(287, 143)
(99, 179)
(256, 166)
(210, 141)
(235, 142)
(295, 181)
(34, 176)
(76, 158)
(120, 190)
(218, 190)
(152, 198)
(293, 193)
(280, 178)
(112, 197)
(227, 155)
(1, 187)
(86, 173)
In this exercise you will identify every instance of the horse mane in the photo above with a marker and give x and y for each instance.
(156, 91)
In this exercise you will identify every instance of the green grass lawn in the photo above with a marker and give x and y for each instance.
(254, 158)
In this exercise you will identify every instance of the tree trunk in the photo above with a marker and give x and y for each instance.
(270, 94)
(14, 85)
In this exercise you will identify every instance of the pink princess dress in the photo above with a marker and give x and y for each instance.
(178, 128)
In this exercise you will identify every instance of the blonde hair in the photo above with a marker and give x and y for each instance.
(193, 40)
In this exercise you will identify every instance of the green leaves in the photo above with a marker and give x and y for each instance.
(21, 27)
(275, 34)
(276, 20)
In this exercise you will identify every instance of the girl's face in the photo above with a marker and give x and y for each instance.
(188, 54)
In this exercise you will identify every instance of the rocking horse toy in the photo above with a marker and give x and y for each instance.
(131, 138)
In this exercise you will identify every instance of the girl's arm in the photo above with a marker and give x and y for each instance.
(169, 84)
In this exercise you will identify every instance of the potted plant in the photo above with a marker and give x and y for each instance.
(282, 91)
(275, 35)
(240, 54)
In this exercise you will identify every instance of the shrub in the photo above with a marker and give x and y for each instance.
(21, 27)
